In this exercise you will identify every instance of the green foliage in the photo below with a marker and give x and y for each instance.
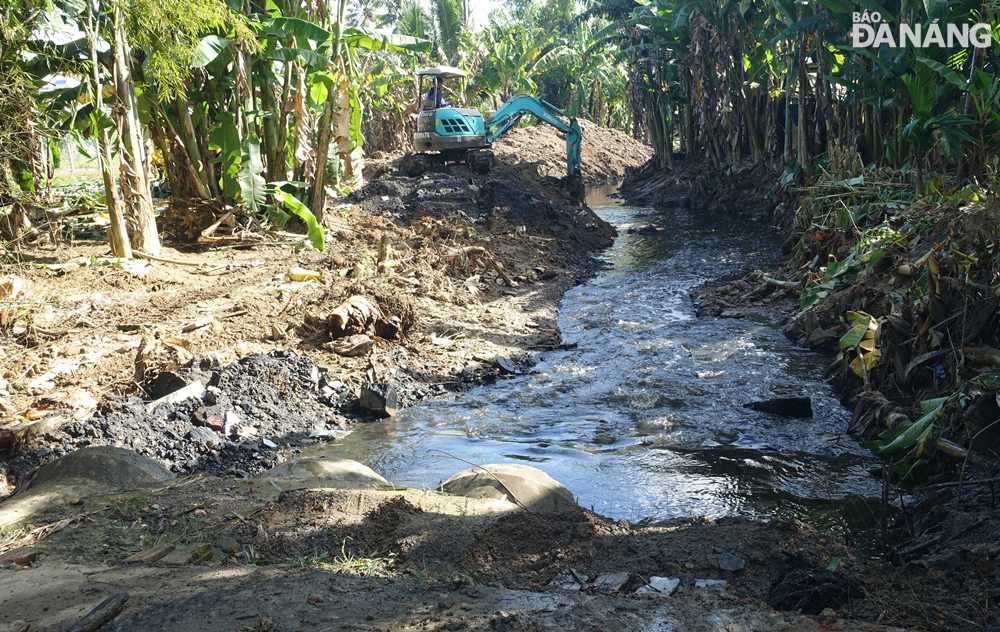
(252, 189)
(295, 206)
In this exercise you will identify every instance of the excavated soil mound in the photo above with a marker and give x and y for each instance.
(506, 199)
(250, 409)
(605, 153)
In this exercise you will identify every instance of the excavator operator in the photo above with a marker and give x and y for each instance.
(436, 93)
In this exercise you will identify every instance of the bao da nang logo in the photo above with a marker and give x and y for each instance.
(870, 31)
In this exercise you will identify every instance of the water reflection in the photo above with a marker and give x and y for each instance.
(645, 417)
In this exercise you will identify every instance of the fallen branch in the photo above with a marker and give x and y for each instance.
(208, 232)
(104, 612)
(984, 481)
(471, 253)
(143, 255)
(982, 355)
(788, 285)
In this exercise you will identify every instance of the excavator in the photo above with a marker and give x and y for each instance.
(463, 135)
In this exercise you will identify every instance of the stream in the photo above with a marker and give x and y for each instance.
(644, 419)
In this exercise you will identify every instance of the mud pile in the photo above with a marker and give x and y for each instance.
(505, 201)
(605, 153)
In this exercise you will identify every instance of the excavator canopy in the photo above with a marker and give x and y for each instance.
(445, 72)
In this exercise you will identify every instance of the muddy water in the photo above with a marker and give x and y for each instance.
(645, 418)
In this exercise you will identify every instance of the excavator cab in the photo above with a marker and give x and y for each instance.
(455, 133)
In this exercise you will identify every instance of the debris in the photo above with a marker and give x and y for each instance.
(610, 582)
(104, 612)
(21, 556)
(201, 434)
(356, 315)
(659, 587)
(198, 324)
(784, 406)
(568, 580)
(505, 366)
(193, 390)
(11, 287)
(231, 422)
(706, 583)
(47, 379)
(190, 554)
(380, 399)
(301, 274)
(213, 422)
(982, 355)
(731, 563)
(269, 444)
(349, 346)
(149, 556)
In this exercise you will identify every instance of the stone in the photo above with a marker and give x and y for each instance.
(184, 555)
(504, 366)
(380, 399)
(707, 583)
(322, 471)
(200, 434)
(828, 617)
(784, 407)
(105, 465)
(21, 556)
(659, 587)
(566, 580)
(730, 563)
(227, 546)
(526, 486)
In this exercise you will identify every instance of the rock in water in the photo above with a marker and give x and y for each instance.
(380, 399)
(784, 406)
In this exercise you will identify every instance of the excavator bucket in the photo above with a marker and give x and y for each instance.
(574, 187)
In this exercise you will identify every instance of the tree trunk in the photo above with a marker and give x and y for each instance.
(117, 232)
(134, 181)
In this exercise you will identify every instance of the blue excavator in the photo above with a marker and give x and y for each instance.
(450, 134)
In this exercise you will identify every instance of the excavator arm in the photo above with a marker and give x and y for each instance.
(510, 113)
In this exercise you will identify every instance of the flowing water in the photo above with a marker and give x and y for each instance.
(645, 417)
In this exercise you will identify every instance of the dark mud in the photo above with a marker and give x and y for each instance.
(508, 199)
(744, 188)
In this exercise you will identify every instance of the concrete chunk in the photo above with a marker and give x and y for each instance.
(659, 587)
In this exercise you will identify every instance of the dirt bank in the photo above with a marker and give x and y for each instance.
(743, 188)
(394, 560)
(606, 153)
